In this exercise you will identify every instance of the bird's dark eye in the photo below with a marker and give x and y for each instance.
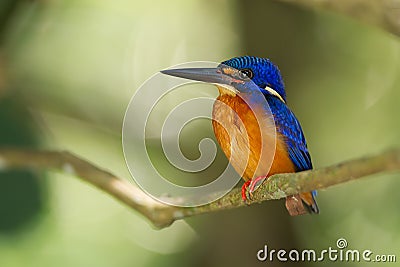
(248, 72)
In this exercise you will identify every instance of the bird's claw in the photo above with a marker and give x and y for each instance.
(255, 183)
(250, 186)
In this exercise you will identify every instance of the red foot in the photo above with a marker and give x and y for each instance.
(252, 186)
(244, 189)
(256, 182)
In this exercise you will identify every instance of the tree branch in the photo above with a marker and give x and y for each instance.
(382, 13)
(162, 215)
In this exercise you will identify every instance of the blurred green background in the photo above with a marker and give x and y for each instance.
(69, 68)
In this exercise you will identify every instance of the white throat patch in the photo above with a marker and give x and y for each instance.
(275, 93)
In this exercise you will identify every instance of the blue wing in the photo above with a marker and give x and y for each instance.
(297, 146)
(289, 127)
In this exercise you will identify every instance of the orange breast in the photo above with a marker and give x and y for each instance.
(251, 152)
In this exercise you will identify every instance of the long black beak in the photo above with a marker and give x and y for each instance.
(208, 75)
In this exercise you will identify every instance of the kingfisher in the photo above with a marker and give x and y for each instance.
(251, 95)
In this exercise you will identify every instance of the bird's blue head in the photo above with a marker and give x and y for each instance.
(261, 71)
(234, 73)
